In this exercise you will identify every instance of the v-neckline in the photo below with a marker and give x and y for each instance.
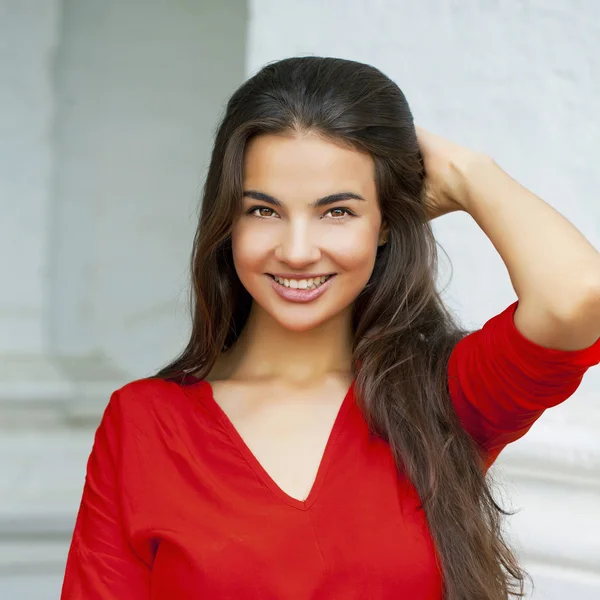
(209, 400)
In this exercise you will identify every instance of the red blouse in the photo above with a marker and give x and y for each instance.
(175, 505)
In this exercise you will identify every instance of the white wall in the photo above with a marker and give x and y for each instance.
(518, 80)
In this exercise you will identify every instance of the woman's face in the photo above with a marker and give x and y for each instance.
(287, 233)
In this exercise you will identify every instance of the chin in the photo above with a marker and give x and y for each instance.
(299, 324)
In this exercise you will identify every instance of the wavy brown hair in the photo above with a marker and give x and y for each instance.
(403, 333)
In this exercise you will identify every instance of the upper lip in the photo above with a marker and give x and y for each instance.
(300, 275)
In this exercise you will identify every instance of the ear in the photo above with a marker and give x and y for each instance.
(384, 232)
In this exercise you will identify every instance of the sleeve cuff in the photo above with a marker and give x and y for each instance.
(583, 358)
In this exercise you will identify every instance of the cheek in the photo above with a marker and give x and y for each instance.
(354, 250)
(248, 248)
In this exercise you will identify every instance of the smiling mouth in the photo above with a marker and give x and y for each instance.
(311, 283)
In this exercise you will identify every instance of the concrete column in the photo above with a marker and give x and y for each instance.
(29, 32)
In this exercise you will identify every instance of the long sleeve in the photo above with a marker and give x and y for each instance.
(101, 564)
(501, 382)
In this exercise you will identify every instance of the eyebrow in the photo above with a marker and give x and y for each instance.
(316, 204)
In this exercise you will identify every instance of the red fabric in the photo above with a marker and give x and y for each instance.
(176, 506)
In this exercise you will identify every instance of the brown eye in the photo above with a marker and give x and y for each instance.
(261, 211)
(340, 213)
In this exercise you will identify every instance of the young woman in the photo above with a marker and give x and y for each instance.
(328, 430)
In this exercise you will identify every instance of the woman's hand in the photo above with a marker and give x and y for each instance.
(446, 167)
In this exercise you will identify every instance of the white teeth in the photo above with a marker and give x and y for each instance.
(303, 284)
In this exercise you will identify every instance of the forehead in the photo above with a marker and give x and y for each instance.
(306, 163)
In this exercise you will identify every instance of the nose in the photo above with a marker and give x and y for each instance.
(297, 247)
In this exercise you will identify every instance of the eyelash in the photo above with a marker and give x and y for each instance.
(348, 212)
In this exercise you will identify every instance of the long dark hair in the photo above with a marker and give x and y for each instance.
(403, 332)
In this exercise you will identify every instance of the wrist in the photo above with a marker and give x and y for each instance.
(468, 168)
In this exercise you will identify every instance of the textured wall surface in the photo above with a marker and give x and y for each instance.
(519, 80)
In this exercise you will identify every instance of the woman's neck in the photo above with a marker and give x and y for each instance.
(268, 351)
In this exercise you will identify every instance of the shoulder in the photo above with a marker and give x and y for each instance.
(146, 413)
(148, 387)
(150, 398)
(145, 391)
